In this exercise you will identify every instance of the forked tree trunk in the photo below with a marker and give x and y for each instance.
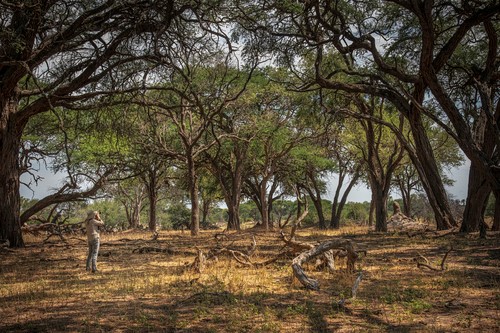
(338, 206)
(318, 205)
(10, 142)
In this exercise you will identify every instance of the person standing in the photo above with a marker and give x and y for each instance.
(92, 224)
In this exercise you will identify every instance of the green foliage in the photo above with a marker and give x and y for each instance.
(179, 216)
(356, 211)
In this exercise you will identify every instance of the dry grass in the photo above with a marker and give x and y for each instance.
(45, 288)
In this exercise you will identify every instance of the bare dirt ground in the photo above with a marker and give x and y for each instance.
(45, 288)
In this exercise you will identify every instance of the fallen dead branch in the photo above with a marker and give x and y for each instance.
(340, 244)
(327, 259)
(427, 264)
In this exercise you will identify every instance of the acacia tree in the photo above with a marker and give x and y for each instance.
(272, 152)
(59, 53)
(227, 160)
(420, 40)
(131, 193)
(202, 82)
(314, 158)
(382, 153)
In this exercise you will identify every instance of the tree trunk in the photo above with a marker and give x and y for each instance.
(233, 222)
(205, 211)
(264, 212)
(496, 216)
(153, 199)
(193, 194)
(318, 205)
(319, 209)
(405, 190)
(135, 221)
(335, 220)
(152, 188)
(338, 206)
(234, 206)
(426, 165)
(371, 215)
(431, 181)
(380, 195)
(478, 192)
(10, 142)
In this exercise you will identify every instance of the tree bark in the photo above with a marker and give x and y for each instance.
(338, 206)
(315, 195)
(478, 192)
(305, 256)
(496, 216)
(264, 209)
(10, 143)
(429, 173)
(381, 194)
(153, 200)
(151, 179)
(194, 196)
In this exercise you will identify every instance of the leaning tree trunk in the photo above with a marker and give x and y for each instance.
(10, 143)
(432, 182)
(478, 192)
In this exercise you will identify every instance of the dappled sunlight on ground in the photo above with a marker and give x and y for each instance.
(45, 288)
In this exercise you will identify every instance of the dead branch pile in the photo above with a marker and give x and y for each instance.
(202, 259)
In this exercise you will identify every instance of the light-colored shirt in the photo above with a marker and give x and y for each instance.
(92, 228)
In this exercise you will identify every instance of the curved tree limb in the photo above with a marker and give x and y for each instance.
(340, 243)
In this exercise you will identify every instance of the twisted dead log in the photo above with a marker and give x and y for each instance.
(327, 259)
(340, 244)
